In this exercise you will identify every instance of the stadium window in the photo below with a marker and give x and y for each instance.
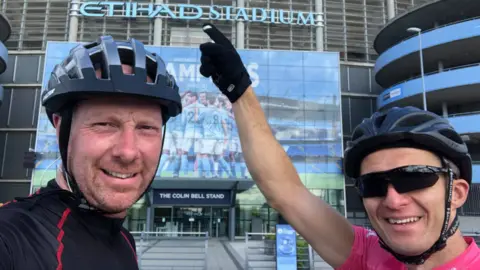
(187, 36)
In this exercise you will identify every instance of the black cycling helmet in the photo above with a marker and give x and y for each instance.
(75, 76)
(411, 127)
(75, 79)
(407, 126)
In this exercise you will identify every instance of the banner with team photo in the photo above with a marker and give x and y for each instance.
(299, 92)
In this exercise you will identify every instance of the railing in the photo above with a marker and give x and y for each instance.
(171, 250)
(260, 251)
(463, 114)
(430, 73)
(433, 29)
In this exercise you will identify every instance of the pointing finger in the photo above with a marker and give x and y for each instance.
(217, 36)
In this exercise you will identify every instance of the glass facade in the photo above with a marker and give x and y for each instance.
(182, 219)
(251, 204)
(300, 94)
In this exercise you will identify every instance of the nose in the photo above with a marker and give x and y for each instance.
(395, 200)
(126, 147)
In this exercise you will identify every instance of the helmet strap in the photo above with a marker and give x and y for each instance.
(64, 138)
(446, 232)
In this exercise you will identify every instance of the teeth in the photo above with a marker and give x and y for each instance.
(119, 175)
(403, 221)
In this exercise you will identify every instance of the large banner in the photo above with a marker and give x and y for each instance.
(299, 92)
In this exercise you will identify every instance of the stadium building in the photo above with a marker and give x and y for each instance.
(313, 67)
(432, 49)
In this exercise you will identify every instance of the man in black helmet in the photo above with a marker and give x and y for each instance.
(109, 102)
(411, 168)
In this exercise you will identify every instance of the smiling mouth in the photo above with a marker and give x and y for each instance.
(402, 221)
(119, 175)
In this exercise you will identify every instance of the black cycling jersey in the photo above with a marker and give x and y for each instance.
(48, 230)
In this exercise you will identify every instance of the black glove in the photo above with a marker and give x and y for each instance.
(221, 61)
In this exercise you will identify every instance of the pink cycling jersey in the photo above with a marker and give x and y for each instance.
(367, 254)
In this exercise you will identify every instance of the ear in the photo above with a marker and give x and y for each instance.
(459, 193)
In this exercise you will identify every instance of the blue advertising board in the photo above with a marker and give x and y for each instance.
(299, 92)
(286, 251)
(191, 197)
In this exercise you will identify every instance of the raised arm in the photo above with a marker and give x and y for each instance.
(329, 233)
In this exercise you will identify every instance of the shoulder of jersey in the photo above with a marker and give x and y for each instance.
(13, 212)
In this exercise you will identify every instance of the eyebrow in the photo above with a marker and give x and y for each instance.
(101, 116)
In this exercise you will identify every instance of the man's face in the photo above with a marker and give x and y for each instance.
(188, 99)
(203, 98)
(192, 99)
(426, 205)
(114, 149)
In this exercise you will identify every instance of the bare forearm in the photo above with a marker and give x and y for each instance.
(276, 177)
(265, 157)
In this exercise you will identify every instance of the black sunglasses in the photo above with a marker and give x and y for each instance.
(404, 179)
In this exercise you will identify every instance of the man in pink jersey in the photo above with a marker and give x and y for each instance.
(413, 172)
(411, 168)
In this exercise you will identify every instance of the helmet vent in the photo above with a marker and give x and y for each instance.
(379, 120)
(72, 70)
(151, 69)
(414, 120)
(452, 135)
(357, 134)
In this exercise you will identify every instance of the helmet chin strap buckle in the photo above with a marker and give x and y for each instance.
(84, 205)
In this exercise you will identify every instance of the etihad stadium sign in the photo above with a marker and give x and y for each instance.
(198, 12)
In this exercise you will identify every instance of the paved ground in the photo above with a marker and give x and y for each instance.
(183, 254)
(239, 248)
(218, 258)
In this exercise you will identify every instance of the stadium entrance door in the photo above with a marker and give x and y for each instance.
(192, 219)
